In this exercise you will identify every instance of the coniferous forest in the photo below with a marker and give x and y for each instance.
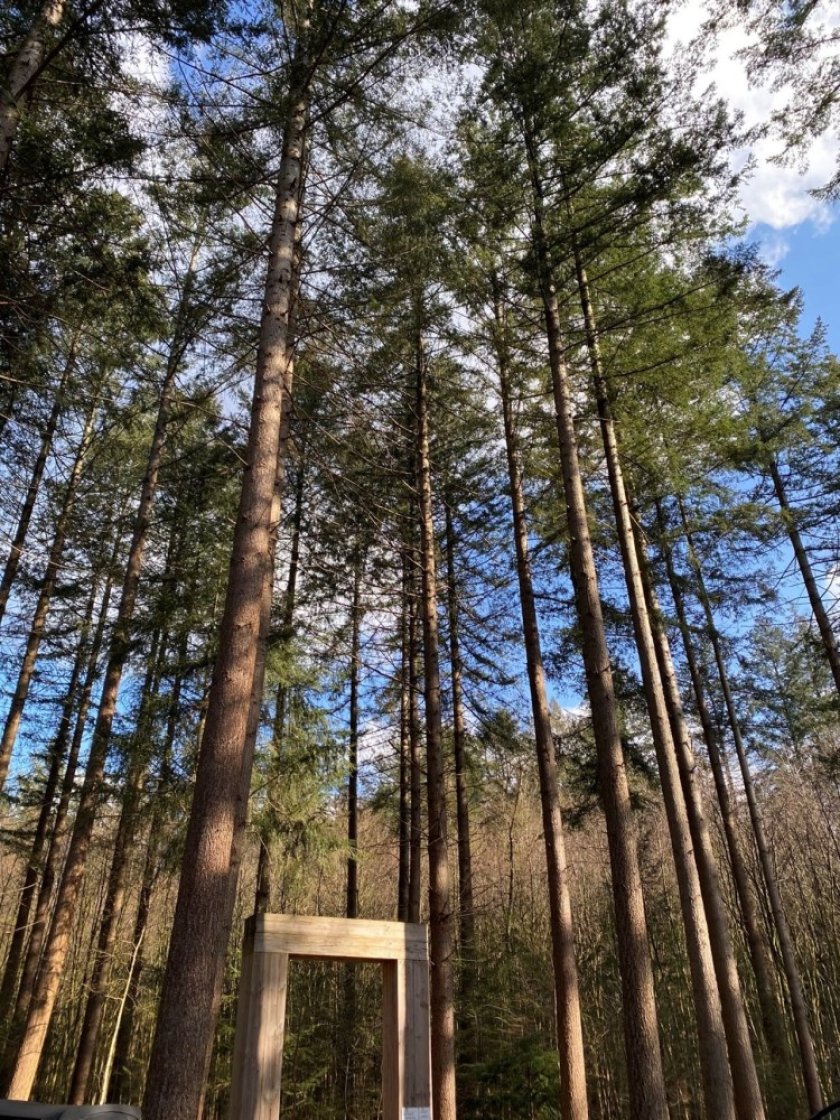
(419, 502)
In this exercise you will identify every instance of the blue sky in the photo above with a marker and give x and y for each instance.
(808, 256)
(799, 234)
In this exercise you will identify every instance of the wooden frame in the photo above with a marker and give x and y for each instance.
(271, 941)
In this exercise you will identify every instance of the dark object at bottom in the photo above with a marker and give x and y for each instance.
(831, 1110)
(29, 1110)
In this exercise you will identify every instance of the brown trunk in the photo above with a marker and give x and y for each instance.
(81, 1085)
(262, 896)
(57, 753)
(39, 618)
(405, 754)
(192, 984)
(352, 901)
(573, 1100)
(748, 1100)
(441, 947)
(49, 976)
(19, 540)
(26, 66)
(55, 852)
(719, 1092)
(466, 924)
(644, 1059)
(771, 1015)
(799, 1006)
(415, 765)
(827, 634)
(120, 1087)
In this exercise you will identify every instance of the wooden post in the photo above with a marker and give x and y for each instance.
(401, 949)
(260, 1028)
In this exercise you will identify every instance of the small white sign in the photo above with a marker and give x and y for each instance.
(416, 1114)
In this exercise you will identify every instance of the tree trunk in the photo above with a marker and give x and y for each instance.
(57, 753)
(49, 976)
(748, 1100)
(185, 1024)
(799, 1006)
(81, 1082)
(405, 754)
(644, 1059)
(55, 853)
(37, 628)
(24, 70)
(827, 634)
(780, 1103)
(441, 938)
(119, 1087)
(16, 551)
(573, 1102)
(415, 873)
(352, 900)
(466, 923)
(262, 898)
(719, 1091)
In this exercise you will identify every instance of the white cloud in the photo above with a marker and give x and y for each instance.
(774, 249)
(773, 194)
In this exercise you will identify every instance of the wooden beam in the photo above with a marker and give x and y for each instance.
(406, 1078)
(260, 1028)
(271, 940)
(342, 939)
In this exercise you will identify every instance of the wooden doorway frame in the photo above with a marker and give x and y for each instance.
(271, 941)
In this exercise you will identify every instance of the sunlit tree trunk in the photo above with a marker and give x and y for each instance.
(799, 1006)
(23, 74)
(57, 759)
(442, 941)
(466, 924)
(829, 638)
(25, 516)
(38, 626)
(779, 1103)
(566, 989)
(81, 1082)
(644, 1059)
(55, 851)
(715, 1054)
(192, 983)
(55, 953)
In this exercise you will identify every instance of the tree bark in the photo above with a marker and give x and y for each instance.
(644, 1059)
(719, 1091)
(262, 897)
(55, 852)
(415, 873)
(440, 905)
(405, 754)
(81, 1081)
(46, 987)
(185, 1024)
(37, 628)
(799, 1007)
(24, 70)
(780, 1104)
(352, 899)
(16, 551)
(573, 1101)
(57, 757)
(748, 1099)
(466, 923)
(829, 639)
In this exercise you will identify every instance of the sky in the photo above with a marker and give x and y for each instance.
(797, 233)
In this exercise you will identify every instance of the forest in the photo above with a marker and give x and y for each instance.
(418, 502)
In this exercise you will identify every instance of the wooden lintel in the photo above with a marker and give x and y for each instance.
(347, 939)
